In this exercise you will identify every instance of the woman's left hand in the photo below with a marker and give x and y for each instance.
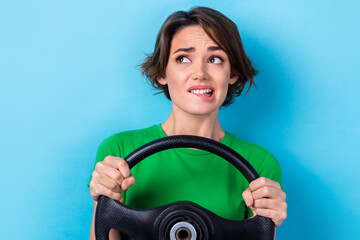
(265, 197)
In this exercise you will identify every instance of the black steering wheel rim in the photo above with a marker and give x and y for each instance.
(257, 228)
(189, 141)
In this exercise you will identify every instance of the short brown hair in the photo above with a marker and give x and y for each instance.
(220, 29)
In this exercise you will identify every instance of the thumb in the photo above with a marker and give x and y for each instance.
(254, 211)
(247, 196)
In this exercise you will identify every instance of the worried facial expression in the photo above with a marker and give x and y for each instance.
(198, 72)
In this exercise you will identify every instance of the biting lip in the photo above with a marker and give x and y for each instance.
(200, 87)
(206, 93)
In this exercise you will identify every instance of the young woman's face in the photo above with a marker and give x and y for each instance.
(198, 72)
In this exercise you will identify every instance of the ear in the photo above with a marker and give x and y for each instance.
(161, 80)
(233, 79)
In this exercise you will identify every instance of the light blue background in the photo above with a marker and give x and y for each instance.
(69, 78)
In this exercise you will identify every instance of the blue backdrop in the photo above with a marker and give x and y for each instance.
(69, 78)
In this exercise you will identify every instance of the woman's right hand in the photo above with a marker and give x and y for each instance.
(111, 177)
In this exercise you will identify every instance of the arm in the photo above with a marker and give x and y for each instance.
(110, 178)
(265, 197)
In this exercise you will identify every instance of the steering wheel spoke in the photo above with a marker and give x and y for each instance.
(111, 214)
(256, 228)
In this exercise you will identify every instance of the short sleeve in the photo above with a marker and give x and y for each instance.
(270, 168)
(108, 147)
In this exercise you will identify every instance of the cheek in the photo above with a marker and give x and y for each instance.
(224, 94)
(223, 79)
(176, 79)
(173, 87)
(223, 83)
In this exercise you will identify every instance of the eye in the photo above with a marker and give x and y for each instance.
(182, 59)
(216, 60)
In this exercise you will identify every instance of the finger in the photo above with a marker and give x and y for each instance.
(269, 192)
(247, 196)
(110, 171)
(262, 182)
(106, 181)
(119, 164)
(266, 203)
(99, 189)
(276, 216)
(124, 168)
(128, 182)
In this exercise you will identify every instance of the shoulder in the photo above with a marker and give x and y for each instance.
(122, 143)
(247, 149)
(260, 158)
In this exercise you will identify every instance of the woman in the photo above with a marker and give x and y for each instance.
(200, 65)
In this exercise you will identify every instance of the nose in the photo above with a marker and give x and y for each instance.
(199, 71)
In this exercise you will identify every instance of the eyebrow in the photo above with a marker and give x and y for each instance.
(215, 48)
(192, 49)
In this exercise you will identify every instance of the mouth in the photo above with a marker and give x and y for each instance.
(207, 92)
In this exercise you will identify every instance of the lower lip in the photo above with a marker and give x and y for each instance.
(205, 97)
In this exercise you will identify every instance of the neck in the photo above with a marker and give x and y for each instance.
(199, 125)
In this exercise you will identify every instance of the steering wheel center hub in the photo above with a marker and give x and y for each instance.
(183, 221)
(183, 231)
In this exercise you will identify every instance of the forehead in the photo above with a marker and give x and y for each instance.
(191, 36)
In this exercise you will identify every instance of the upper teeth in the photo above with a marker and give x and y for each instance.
(201, 91)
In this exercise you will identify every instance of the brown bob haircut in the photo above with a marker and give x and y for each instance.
(220, 29)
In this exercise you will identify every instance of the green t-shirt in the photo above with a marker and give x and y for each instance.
(189, 175)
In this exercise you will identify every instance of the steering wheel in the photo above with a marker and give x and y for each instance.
(180, 220)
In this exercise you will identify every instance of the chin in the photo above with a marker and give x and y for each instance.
(202, 111)
(196, 108)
